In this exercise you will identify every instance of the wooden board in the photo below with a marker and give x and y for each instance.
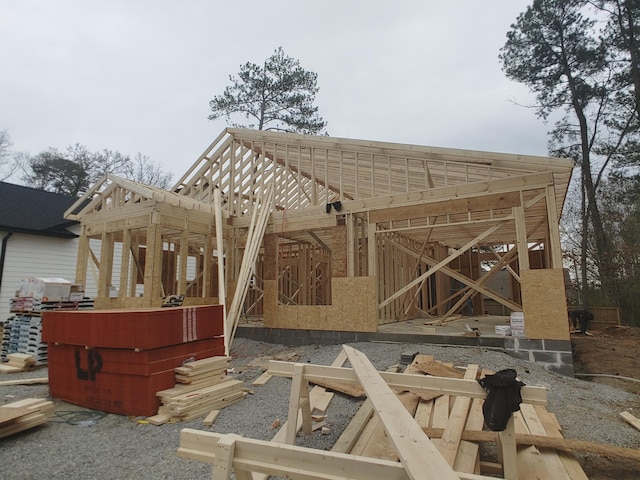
(8, 414)
(417, 453)
(631, 420)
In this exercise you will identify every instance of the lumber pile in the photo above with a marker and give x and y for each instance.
(448, 420)
(18, 362)
(201, 386)
(24, 414)
(424, 423)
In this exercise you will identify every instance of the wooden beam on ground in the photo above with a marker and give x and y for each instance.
(345, 442)
(552, 428)
(401, 381)
(452, 435)
(559, 443)
(417, 453)
(629, 418)
(262, 379)
(317, 396)
(25, 381)
(293, 462)
(550, 456)
(507, 452)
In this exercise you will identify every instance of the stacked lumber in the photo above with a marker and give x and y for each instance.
(450, 421)
(410, 426)
(201, 386)
(24, 414)
(18, 362)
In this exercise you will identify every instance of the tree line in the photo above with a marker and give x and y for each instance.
(580, 59)
(74, 170)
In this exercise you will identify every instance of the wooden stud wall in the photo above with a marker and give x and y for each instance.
(403, 210)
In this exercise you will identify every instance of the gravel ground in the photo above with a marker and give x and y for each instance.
(82, 444)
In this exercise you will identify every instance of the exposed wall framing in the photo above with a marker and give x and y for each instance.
(421, 230)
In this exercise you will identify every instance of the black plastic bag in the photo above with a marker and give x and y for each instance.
(503, 398)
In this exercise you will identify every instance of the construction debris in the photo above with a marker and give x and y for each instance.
(209, 419)
(201, 386)
(25, 381)
(411, 425)
(631, 419)
(24, 414)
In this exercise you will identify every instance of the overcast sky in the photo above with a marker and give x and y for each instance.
(137, 75)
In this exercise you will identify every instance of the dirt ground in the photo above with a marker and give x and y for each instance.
(613, 351)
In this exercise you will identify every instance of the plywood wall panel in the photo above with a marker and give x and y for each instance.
(544, 304)
(339, 251)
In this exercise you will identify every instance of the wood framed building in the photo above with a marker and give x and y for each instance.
(327, 233)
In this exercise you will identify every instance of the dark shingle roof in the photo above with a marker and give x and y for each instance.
(28, 210)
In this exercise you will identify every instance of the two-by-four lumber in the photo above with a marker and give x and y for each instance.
(25, 381)
(204, 365)
(417, 453)
(298, 400)
(262, 379)
(450, 441)
(317, 395)
(374, 441)
(27, 413)
(552, 460)
(559, 443)
(291, 461)
(631, 419)
(401, 381)
(552, 429)
(347, 439)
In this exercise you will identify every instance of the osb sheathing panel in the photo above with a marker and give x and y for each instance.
(270, 288)
(544, 304)
(339, 251)
(270, 252)
(353, 308)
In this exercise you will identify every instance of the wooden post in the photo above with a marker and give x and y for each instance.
(555, 250)
(153, 231)
(83, 258)
(507, 450)
(106, 265)
(223, 463)
(184, 255)
(521, 238)
(298, 400)
(125, 263)
(207, 259)
(222, 295)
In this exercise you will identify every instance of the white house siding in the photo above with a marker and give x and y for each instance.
(38, 256)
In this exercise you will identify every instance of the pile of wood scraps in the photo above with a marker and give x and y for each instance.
(18, 362)
(24, 414)
(201, 386)
(424, 423)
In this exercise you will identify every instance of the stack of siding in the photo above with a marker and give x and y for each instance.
(24, 414)
(85, 304)
(201, 386)
(23, 334)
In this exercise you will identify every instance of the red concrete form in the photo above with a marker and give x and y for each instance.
(119, 380)
(136, 329)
